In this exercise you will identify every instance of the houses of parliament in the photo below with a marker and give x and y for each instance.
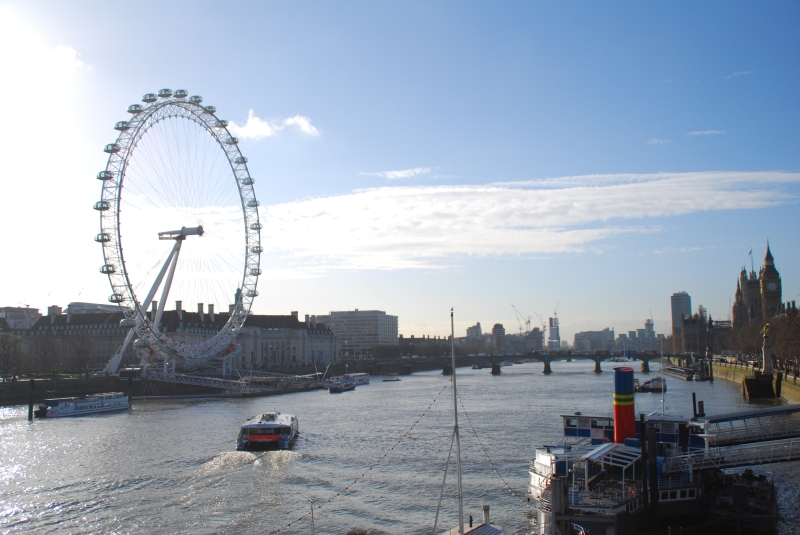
(758, 296)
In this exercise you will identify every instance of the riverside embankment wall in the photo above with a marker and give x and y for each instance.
(790, 389)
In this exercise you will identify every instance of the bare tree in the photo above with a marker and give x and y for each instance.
(82, 350)
(45, 352)
(9, 356)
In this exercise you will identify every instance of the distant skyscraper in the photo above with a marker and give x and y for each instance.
(681, 304)
(554, 339)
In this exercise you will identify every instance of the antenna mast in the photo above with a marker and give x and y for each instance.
(455, 427)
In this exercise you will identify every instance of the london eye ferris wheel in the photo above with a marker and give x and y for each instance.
(178, 214)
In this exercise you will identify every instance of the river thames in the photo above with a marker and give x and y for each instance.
(170, 466)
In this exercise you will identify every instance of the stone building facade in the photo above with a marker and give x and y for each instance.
(265, 341)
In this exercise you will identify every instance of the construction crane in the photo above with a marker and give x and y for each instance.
(520, 318)
(544, 324)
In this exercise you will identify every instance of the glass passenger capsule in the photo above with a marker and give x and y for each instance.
(121, 125)
(253, 204)
(108, 269)
(251, 293)
(181, 93)
(256, 226)
(105, 175)
(240, 160)
(233, 140)
(116, 298)
(149, 97)
(211, 109)
(127, 322)
(221, 123)
(257, 249)
(247, 181)
(103, 237)
(111, 148)
(141, 343)
(101, 206)
(165, 93)
(195, 99)
(255, 272)
(135, 108)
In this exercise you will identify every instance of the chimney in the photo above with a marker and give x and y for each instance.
(308, 318)
(200, 311)
(211, 312)
(230, 309)
(294, 315)
(179, 309)
(486, 513)
(314, 320)
(153, 310)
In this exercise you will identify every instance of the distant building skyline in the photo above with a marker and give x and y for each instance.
(359, 331)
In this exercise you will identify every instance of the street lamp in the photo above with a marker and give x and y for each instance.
(313, 532)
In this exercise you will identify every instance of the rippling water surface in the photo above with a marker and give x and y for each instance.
(170, 466)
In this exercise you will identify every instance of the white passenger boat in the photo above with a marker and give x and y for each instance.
(360, 378)
(76, 406)
(357, 378)
(269, 430)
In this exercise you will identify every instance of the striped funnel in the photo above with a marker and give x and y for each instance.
(624, 415)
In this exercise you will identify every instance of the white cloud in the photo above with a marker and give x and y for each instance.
(45, 93)
(706, 133)
(429, 226)
(740, 73)
(257, 128)
(401, 173)
(303, 123)
(658, 141)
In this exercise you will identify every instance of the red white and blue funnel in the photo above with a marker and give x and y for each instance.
(624, 415)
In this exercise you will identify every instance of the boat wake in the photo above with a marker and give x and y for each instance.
(230, 461)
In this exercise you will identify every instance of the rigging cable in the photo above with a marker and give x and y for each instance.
(359, 478)
(508, 487)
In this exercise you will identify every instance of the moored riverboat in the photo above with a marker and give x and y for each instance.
(344, 384)
(656, 384)
(77, 406)
(360, 378)
(357, 378)
(612, 471)
(268, 430)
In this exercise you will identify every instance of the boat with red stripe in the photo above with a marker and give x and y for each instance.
(271, 430)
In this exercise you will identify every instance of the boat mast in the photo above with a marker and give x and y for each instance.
(455, 427)
(663, 385)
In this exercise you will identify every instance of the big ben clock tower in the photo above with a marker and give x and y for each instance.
(770, 287)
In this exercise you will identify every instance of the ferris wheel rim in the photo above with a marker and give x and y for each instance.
(113, 177)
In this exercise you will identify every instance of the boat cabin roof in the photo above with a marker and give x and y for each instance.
(659, 417)
(746, 415)
(269, 419)
(614, 454)
(598, 415)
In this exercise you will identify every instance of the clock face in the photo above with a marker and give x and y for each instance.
(771, 286)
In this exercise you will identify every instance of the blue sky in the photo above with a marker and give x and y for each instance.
(420, 155)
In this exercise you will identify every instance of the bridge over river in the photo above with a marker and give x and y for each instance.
(597, 359)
